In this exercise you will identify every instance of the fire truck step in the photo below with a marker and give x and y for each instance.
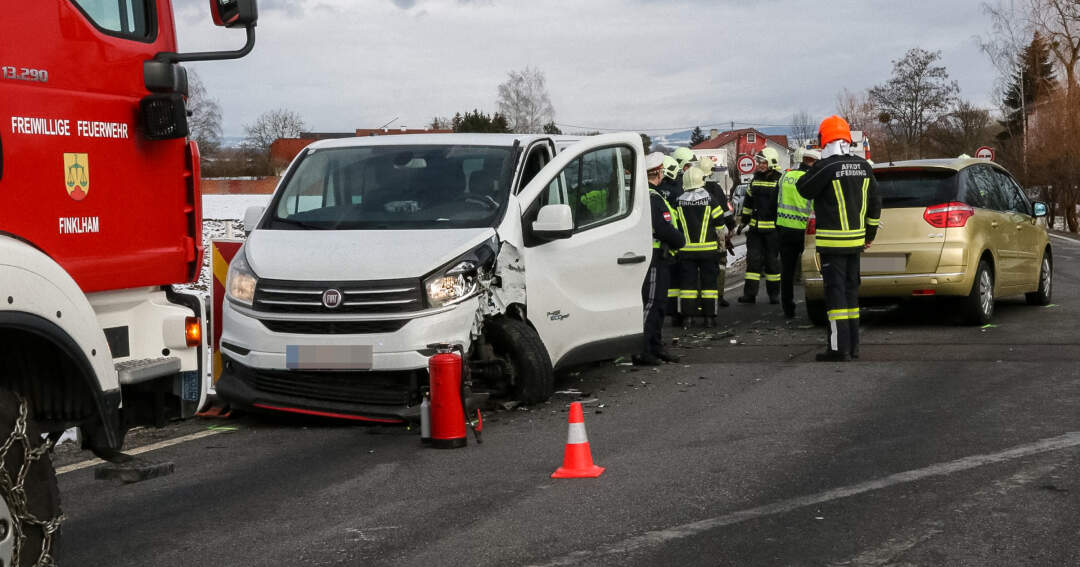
(137, 371)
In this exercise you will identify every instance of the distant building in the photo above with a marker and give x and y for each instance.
(283, 150)
(746, 141)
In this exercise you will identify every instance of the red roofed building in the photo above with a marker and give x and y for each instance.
(747, 141)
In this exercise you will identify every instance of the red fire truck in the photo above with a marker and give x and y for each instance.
(99, 217)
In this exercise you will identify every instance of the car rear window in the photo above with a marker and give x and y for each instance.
(919, 188)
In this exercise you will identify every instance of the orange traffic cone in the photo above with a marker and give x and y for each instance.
(577, 460)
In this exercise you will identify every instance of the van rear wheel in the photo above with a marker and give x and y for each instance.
(532, 379)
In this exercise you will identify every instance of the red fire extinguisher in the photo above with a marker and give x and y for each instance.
(447, 403)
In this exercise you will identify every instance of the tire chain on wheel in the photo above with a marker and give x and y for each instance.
(16, 489)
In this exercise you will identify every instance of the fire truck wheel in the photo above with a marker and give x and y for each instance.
(533, 379)
(30, 508)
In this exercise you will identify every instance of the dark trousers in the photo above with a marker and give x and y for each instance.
(841, 277)
(654, 298)
(762, 262)
(698, 274)
(791, 249)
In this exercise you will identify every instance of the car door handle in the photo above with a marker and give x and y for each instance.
(631, 260)
(993, 224)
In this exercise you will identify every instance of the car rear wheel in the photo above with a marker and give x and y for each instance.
(1046, 280)
(815, 308)
(532, 378)
(978, 306)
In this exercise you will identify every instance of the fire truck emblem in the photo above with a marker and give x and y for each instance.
(77, 175)
(331, 298)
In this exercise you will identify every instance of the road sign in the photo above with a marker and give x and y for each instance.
(985, 152)
(746, 164)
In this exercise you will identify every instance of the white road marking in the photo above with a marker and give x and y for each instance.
(141, 450)
(664, 536)
(1066, 239)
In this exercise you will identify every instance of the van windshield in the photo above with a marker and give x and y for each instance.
(915, 188)
(395, 187)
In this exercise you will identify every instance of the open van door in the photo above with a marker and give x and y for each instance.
(587, 245)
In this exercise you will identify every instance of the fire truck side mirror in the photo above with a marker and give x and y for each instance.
(234, 13)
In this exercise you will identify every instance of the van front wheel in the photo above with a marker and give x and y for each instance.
(532, 379)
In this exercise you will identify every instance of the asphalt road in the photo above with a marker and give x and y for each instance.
(943, 445)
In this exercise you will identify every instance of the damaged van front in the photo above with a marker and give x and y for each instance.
(372, 250)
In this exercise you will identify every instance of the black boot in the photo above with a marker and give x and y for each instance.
(666, 356)
(646, 359)
(832, 356)
(723, 302)
(747, 299)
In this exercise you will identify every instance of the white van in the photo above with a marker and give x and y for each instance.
(527, 251)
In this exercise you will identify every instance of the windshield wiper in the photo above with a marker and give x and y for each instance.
(301, 224)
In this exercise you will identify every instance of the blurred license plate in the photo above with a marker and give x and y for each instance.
(883, 263)
(328, 357)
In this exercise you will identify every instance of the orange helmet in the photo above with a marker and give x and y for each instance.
(833, 128)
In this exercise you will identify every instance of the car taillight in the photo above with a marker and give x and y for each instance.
(811, 226)
(948, 215)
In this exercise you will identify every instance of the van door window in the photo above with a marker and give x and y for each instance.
(982, 180)
(536, 161)
(599, 186)
(125, 18)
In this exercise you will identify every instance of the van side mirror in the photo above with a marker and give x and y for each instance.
(234, 13)
(1040, 209)
(554, 222)
(251, 217)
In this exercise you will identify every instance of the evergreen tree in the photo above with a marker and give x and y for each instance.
(478, 122)
(1032, 81)
(696, 136)
(551, 128)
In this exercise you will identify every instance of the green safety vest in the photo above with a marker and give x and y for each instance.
(674, 216)
(792, 211)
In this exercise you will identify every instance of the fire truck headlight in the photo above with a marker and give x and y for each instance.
(450, 286)
(241, 280)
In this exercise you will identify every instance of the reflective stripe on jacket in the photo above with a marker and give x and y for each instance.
(846, 203)
(759, 206)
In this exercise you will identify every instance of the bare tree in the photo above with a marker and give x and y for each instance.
(1059, 21)
(204, 122)
(441, 123)
(523, 99)
(961, 131)
(918, 95)
(803, 128)
(271, 125)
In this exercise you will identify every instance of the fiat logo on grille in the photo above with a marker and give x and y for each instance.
(331, 298)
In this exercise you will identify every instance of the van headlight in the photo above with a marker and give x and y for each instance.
(240, 281)
(457, 283)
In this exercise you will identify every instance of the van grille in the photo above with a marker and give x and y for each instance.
(335, 327)
(376, 388)
(373, 297)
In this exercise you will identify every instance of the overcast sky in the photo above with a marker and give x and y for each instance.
(627, 64)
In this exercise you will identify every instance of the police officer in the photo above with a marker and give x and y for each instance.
(666, 239)
(847, 208)
(706, 164)
(700, 215)
(762, 242)
(792, 216)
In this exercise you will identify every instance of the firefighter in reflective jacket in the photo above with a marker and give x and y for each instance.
(700, 217)
(671, 187)
(762, 241)
(666, 239)
(847, 209)
(792, 216)
(707, 164)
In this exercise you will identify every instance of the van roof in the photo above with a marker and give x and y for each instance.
(430, 140)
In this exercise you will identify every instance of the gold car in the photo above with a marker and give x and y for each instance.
(960, 228)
